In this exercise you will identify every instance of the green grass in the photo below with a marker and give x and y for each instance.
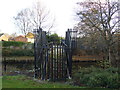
(21, 81)
(27, 82)
(0, 82)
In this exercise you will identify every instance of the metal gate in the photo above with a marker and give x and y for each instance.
(53, 61)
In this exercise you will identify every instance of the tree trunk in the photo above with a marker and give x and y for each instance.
(118, 52)
(113, 57)
(118, 59)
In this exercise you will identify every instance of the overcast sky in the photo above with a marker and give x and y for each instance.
(63, 10)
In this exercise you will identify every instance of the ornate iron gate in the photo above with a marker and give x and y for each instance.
(53, 61)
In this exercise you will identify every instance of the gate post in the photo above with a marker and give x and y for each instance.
(68, 53)
(36, 34)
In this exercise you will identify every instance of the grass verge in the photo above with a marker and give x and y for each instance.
(26, 82)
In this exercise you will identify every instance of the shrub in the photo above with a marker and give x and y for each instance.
(53, 38)
(113, 81)
(112, 70)
(97, 77)
(103, 63)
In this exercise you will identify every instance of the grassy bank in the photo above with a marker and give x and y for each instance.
(26, 82)
(21, 81)
(18, 58)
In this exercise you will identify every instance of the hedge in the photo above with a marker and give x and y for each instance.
(17, 52)
(12, 43)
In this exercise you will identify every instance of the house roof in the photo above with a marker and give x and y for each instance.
(1, 34)
(30, 35)
(4, 37)
(20, 36)
(7, 35)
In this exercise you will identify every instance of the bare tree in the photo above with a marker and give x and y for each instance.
(103, 18)
(38, 16)
(22, 20)
(41, 17)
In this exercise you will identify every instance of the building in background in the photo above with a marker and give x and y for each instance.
(4, 37)
(30, 37)
(20, 38)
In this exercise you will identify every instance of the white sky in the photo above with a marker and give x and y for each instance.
(63, 10)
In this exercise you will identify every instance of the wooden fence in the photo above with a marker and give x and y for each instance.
(87, 58)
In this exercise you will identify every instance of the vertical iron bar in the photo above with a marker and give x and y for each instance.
(60, 73)
(52, 62)
(57, 59)
(62, 62)
(48, 66)
(35, 59)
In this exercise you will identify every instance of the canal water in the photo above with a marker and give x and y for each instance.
(27, 68)
(18, 68)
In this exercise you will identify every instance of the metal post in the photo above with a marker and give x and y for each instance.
(35, 58)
